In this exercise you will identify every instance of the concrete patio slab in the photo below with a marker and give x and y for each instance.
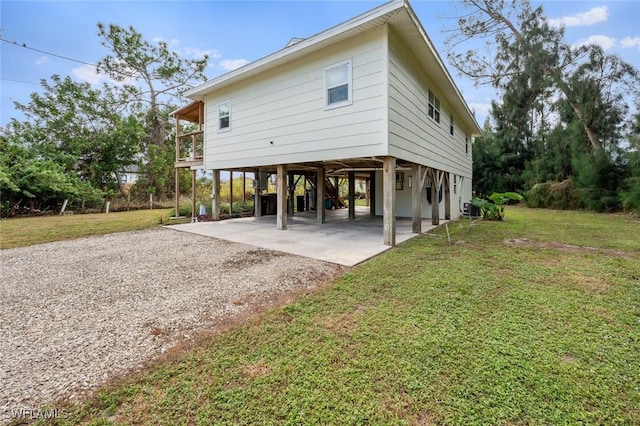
(338, 240)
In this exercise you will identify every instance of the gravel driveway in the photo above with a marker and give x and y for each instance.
(75, 313)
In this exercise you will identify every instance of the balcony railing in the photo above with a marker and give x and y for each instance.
(191, 146)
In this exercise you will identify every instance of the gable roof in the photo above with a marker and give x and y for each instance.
(398, 14)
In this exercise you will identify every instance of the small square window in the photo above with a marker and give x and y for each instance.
(224, 116)
(338, 85)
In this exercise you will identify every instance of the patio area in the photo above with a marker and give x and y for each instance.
(338, 240)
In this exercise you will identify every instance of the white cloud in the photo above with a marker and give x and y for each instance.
(599, 40)
(232, 64)
(195, 53)
(42, 60)
(630, 42)
(582, 19)
(189, 52)
(89, 74)
(172, 42)
(481, 110)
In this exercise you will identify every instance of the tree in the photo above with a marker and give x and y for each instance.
(42, 183)
(86, 131)
(631, 190)
(155, 77)
(522, 42)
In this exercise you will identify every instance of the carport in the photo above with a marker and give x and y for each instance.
(338, 240)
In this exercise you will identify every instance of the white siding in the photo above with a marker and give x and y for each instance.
(404, 207)
(413, 135)
(280, 117)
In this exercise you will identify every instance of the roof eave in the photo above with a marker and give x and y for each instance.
(197, 93)
(476, 130)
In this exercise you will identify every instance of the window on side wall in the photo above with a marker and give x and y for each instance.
(434, 107)
(224, 116)
(466, 145)
(451, 124)
(338, 85)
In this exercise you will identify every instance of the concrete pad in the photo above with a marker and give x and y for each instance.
(338, 240)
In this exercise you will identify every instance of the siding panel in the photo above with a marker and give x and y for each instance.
(287, 108)
(413, 135)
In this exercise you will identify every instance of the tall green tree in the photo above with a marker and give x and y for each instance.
(522, 42)
(581, 135)
(155, 77)
(631, 190)
(86, 131)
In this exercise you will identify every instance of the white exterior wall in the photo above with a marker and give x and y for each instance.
(403, 199)
(280, 117)
(413, 135)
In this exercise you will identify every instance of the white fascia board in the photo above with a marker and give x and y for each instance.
(197, 93)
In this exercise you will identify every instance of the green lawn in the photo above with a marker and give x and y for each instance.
(22, 232)
(474, 333)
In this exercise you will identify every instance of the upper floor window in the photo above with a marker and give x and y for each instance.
(338, 85)
(434, 107)
(451, 124)
(224, 116)
(466, 145)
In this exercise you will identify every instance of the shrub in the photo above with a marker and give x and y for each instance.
(554, 195)
(493, 208)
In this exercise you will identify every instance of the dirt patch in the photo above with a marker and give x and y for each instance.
(256, 369)
(252, 258)
(525, 242)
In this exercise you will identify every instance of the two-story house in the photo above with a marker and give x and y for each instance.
(369, 97)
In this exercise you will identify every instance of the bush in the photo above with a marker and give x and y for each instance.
(631, 197)
(554, 195)
(493, 208)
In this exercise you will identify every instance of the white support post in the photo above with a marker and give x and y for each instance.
(281, 193)
(215, 196)
(389, 201)
(447, 195)
(436, 181)
(320, 186)
(352, 195)
(372, 193)
(416, 199)
(257, 197)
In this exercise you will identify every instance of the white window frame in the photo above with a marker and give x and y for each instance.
(228, 128)
(433, 108)
(349, 101)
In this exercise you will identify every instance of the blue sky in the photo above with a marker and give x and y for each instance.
(236, 32)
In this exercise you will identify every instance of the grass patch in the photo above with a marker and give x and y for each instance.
(21, 232)
(473, 333)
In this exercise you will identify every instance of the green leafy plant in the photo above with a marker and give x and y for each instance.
(493, 208)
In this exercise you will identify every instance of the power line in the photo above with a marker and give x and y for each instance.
(24, 45)
(19, 81)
